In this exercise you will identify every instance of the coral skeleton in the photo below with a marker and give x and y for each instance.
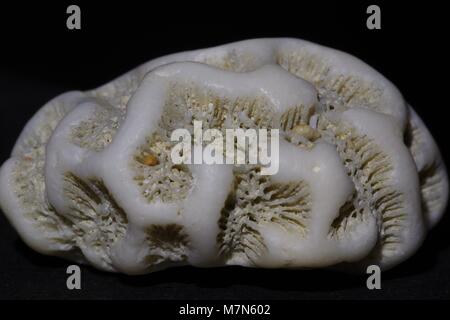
(360, 179)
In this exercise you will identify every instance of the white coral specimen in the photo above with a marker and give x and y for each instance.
(360, 179)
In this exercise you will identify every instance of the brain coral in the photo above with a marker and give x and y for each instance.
(360, 178)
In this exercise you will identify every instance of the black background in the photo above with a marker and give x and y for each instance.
(40, 58)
